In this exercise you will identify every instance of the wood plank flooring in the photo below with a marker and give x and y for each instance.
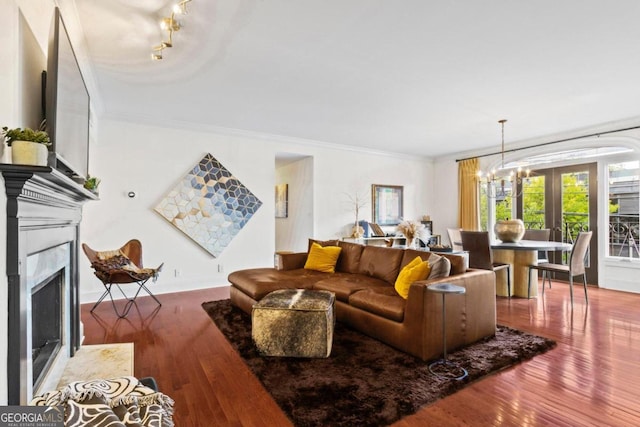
(592, 378)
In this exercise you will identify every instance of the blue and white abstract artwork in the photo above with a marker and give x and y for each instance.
(209, 205)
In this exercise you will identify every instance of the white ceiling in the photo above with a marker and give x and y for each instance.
(414, 76)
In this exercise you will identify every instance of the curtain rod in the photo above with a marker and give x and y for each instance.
(547, 143)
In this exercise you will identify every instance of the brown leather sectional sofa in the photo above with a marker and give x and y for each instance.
(367, 301)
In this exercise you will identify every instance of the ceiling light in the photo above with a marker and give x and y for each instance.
(170, 25)
(496, 180)
(181, 7)
(156, 55)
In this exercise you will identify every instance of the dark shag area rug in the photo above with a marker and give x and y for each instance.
(364, 382)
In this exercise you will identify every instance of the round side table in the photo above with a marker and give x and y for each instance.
(443, 368)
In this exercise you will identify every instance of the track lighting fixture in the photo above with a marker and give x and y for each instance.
(170, 25)
(181, 7)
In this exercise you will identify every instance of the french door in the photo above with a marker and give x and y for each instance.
(564, 200)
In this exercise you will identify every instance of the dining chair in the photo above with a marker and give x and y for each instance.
(576, 266)
(480, 256)
(455, 239)
(541, 235)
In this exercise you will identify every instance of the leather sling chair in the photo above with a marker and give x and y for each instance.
(121, 266)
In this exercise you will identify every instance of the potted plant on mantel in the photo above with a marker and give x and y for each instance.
(91, 184)
(28, 146)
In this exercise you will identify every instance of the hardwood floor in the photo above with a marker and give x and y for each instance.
(591, 378)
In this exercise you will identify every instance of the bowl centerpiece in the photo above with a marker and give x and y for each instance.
(509, 230)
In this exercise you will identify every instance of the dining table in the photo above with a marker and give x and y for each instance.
(520, 255)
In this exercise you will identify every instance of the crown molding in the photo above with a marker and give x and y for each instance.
(274, 138)
(629, 139)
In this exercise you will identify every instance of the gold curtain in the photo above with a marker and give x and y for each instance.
(468, 200)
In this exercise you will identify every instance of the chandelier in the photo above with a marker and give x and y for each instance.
(500, 183)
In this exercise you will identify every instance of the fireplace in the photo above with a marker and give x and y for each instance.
(46, 322)
(44, 210)
(49, 324)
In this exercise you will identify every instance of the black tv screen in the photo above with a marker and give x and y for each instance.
(67, 104)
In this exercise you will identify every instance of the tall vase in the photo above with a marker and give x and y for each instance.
(414, 243)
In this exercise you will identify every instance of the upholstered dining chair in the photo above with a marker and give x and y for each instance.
(576, 266)
(480, 256)
(541, 235)
(121, 266)
(455, 239)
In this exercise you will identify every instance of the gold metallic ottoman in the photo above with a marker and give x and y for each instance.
(294, 323)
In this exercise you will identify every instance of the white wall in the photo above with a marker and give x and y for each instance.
(21, 61)
(150, 160)
(292, 232)
(445, 191)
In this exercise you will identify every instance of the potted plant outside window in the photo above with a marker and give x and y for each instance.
(28, 146)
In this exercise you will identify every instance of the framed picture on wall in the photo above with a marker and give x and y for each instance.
(387, 204)
(282, 200)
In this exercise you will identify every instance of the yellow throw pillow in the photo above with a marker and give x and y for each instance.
(416, 261)
(412, 272)
(322, 258)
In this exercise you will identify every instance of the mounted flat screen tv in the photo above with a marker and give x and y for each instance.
(67, 104)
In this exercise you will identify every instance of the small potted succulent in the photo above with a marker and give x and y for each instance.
(91, 183)
(28, 146)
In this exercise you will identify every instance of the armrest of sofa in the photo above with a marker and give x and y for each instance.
(290, 261)
(478, 304)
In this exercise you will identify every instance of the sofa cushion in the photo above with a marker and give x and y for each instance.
(382, 263)
(258, 282)
(412, 272)
(322, 243)
(323, 258)
(458, 263)
(349, 257)
(345, 284)
(411, 254)
(440, 266)
(383, 301)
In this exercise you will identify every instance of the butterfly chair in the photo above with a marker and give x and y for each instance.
(480, 255)
(118, 267)
(575, 267)
(540, 235)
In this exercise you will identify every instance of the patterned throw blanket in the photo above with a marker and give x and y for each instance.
(115, 402)
(116, 262)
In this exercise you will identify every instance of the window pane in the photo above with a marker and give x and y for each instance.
(484, 206)
(624, 207)
(498, 193)
(533, 202)
(575, 204)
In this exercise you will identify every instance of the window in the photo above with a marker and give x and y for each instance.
(624, 207)
(499, 195)
(534, 202)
